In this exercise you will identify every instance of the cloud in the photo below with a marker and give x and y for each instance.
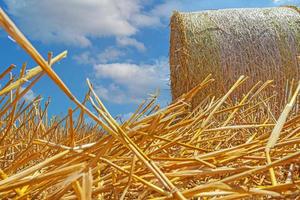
(126, 41)
(108, 55)
(76, 22)
(125, 116)
(29, 95)
(85, 58)
(129, 83)
(114, 93)
(165, 9)
(294, 2)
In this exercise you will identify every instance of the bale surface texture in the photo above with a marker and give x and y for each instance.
(260, 43)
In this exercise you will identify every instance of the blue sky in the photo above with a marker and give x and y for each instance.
(121, 46)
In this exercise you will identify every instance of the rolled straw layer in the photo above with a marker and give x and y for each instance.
(261, 43)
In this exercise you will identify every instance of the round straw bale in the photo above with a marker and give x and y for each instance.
(262, 43)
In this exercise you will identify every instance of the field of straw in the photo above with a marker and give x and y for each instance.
(222, 149)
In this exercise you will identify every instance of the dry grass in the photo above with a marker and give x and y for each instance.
(222, 149)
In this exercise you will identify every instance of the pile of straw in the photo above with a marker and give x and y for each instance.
(261, 43)
(223, 149)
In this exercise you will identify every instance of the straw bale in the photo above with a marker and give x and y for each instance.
(262, 43)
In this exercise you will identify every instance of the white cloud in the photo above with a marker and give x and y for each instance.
(85, 58)
(165, 9)
(129, 83)
(29, 95)
(115, 94)
(126, 41)
(125, 116)
(76, 21)
(286, 1)
(108, 55)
